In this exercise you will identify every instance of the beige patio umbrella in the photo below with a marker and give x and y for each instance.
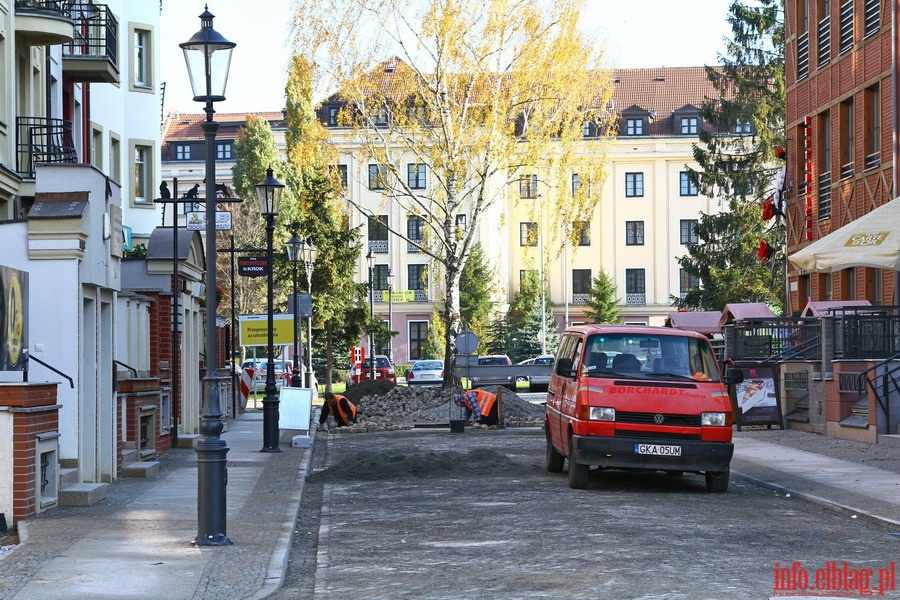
(872, 240)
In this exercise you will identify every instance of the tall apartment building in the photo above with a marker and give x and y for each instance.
(644, 217)
(841, 62)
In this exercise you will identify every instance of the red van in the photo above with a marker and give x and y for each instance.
(639, 397)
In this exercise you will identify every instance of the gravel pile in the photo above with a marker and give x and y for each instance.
(407, 407)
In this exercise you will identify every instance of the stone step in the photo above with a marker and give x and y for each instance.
(889, 440)
(67, 477)
(82, 494)
(129, 455)
(146, 468)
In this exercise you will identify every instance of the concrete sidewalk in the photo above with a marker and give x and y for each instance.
(137, 542)
(795, 462)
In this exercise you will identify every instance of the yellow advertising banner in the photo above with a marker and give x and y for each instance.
(254, 330)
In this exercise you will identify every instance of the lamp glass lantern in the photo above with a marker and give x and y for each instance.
(208, 58)
(268, 192)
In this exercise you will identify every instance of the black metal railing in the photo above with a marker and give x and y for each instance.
(769, 340)
(96, 32)
(873, 17)
(56, 8)
(43, 140)
(866, 335)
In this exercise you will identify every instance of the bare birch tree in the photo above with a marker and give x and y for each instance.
(480, 91)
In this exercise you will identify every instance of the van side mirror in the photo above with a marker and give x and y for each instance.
(733, 376)
(564, 367)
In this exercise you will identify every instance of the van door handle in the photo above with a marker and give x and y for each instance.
(551, 393)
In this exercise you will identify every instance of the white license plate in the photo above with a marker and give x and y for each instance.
(427, 376)
(657, 450)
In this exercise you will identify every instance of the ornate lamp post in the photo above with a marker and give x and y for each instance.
(295, 248)
(268, 191)
(390, 279)
(309, 253)
(370, 259)
(208, 58)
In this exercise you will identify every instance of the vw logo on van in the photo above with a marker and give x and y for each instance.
(659, 419)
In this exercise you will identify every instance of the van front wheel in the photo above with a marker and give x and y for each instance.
(717, 481)
(578, 474)
(555, 460)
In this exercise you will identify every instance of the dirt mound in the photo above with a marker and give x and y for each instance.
(402, 407)
(378, 387)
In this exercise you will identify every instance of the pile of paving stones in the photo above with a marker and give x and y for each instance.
(407, 407)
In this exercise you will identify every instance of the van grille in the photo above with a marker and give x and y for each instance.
(648, 418)
(656, 435)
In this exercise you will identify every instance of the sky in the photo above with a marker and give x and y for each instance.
(636, 33)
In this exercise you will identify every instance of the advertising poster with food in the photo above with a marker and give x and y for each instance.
(756, 398)
(13, 319)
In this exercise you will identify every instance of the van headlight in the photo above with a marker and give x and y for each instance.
(713, 418)
(600, 413)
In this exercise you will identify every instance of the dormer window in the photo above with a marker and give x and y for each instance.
(586, 129)
(381, 116)
(333, 115)
(634, 126)
(689, 125)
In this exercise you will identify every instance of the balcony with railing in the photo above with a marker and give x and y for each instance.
(636, 298)
(873, 160)
(44, 22)
(873, 17)
(378, 246)
(847, 170)
(91, 56)
(43, 140)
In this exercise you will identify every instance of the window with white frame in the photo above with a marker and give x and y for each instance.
(634, 233)
(415, 228)
(342, 175)
(687, 282)
(743, 128)
(416, 276)
(418, 335)
(378, 177)
(333, 112)
(143, 169)
(634, 185)
(635, 281)
(688, 228)
(528, 186)
(461, 221)
(141, 58)
(584, 232)
(415, 176)
(687, 187)
(581, 281)
(528, 233)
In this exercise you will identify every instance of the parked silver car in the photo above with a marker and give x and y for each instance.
(537, 383)
(426, 372)
(488, 380)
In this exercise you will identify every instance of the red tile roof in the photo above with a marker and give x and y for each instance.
(189, 126)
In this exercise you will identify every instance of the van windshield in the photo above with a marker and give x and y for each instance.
(650, 357)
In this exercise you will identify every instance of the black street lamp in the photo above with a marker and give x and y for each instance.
(294, 248)
(370, 259)
(309, 254)
(208, 58)
(268, 191)
(390, 279)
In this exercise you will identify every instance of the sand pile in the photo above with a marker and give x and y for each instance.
(406, 407)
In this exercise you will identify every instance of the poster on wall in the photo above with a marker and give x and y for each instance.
(756, 399)
(13, 318)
